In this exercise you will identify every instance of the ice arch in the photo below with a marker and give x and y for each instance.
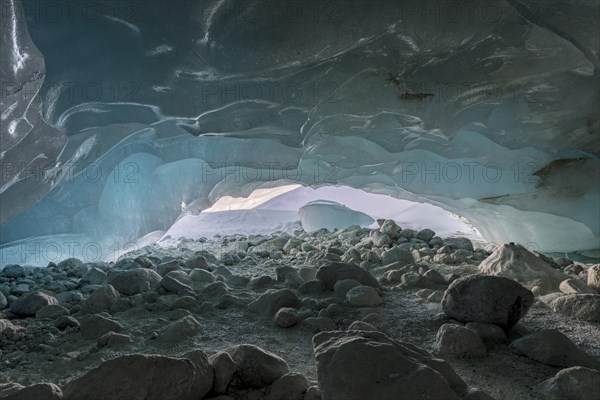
(115, 118)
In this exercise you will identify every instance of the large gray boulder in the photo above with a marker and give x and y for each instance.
(585, 307)
(133, 281)
(94, 326)
(401, 255)
(272, 300)
(359, 365)
(40, 391)
(30, 303)
(593, 277)
(487, 299)
(516, 262)
(332, 272)
(142, 377)
(575, 383)
(102, 299)
(255, 367)
(551, 347)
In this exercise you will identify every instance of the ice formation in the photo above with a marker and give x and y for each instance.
(330, 215)
(117, 122)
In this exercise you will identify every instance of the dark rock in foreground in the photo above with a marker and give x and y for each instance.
(488, 299)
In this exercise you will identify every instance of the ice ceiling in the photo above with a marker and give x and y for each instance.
(117, 116)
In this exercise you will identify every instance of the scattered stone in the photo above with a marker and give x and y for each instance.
(142, 377)
(400, 255)
(113, 340)
(320, 324)
(7, 328)
(255, 367)
(65, 322)
(291, 386)
(459, 243)
(435, 277)
(95, 325)
(102, 299)
(197, 262)
(390, 228)
(52, 311)
(202, 276)
(31, 303)
(173, 282)
(286, 317)
(166, 267)
(516, 262)
(488, 299)
(312, 287)
(342, 287)
(45, 391)
(272, 300)
(456, 340)
(134, 281)
(224, 368)
(585, 307)
(3, 301)
(361, 326)
(13, 271)
(313, 393)
(593, 277)
(425, 235)
(332, 272)
(289, 276)
(436, 297)
(576, 383)
(181, 330)
(489, 333)
(380, 239)
(378, 368)
(551, 347)
(363, 296)
(575, 286)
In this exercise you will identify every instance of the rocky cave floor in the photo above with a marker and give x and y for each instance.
(278, 291)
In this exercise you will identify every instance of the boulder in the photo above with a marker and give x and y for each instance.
(173, 282)
(30, 303)
(459, 242)
(133, 281)
(585, 307)
(286, 317)
(489, 333)
(400, 255)
(551, 347)
(342, 287)
(380, 239)
(291, 386)
(575, 286)
(52, 311)
(390, 228)
(593, 277)
(224, 368)
(425, 235)
(363, 296)
(488, 299)
(3, 301)
(255, 367)
(516, 262)
(95, 325)
(359, 365)
(181, 330)
(575, 383)
(142, 377)
(272, 300)
(332, 272)
(456, 340)
(45, 391)
(102, 299)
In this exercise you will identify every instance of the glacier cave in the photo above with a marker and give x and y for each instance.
(231, 148)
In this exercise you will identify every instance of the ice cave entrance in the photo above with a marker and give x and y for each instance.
(289, 207)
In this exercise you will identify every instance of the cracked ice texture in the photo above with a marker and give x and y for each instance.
(195, 100)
